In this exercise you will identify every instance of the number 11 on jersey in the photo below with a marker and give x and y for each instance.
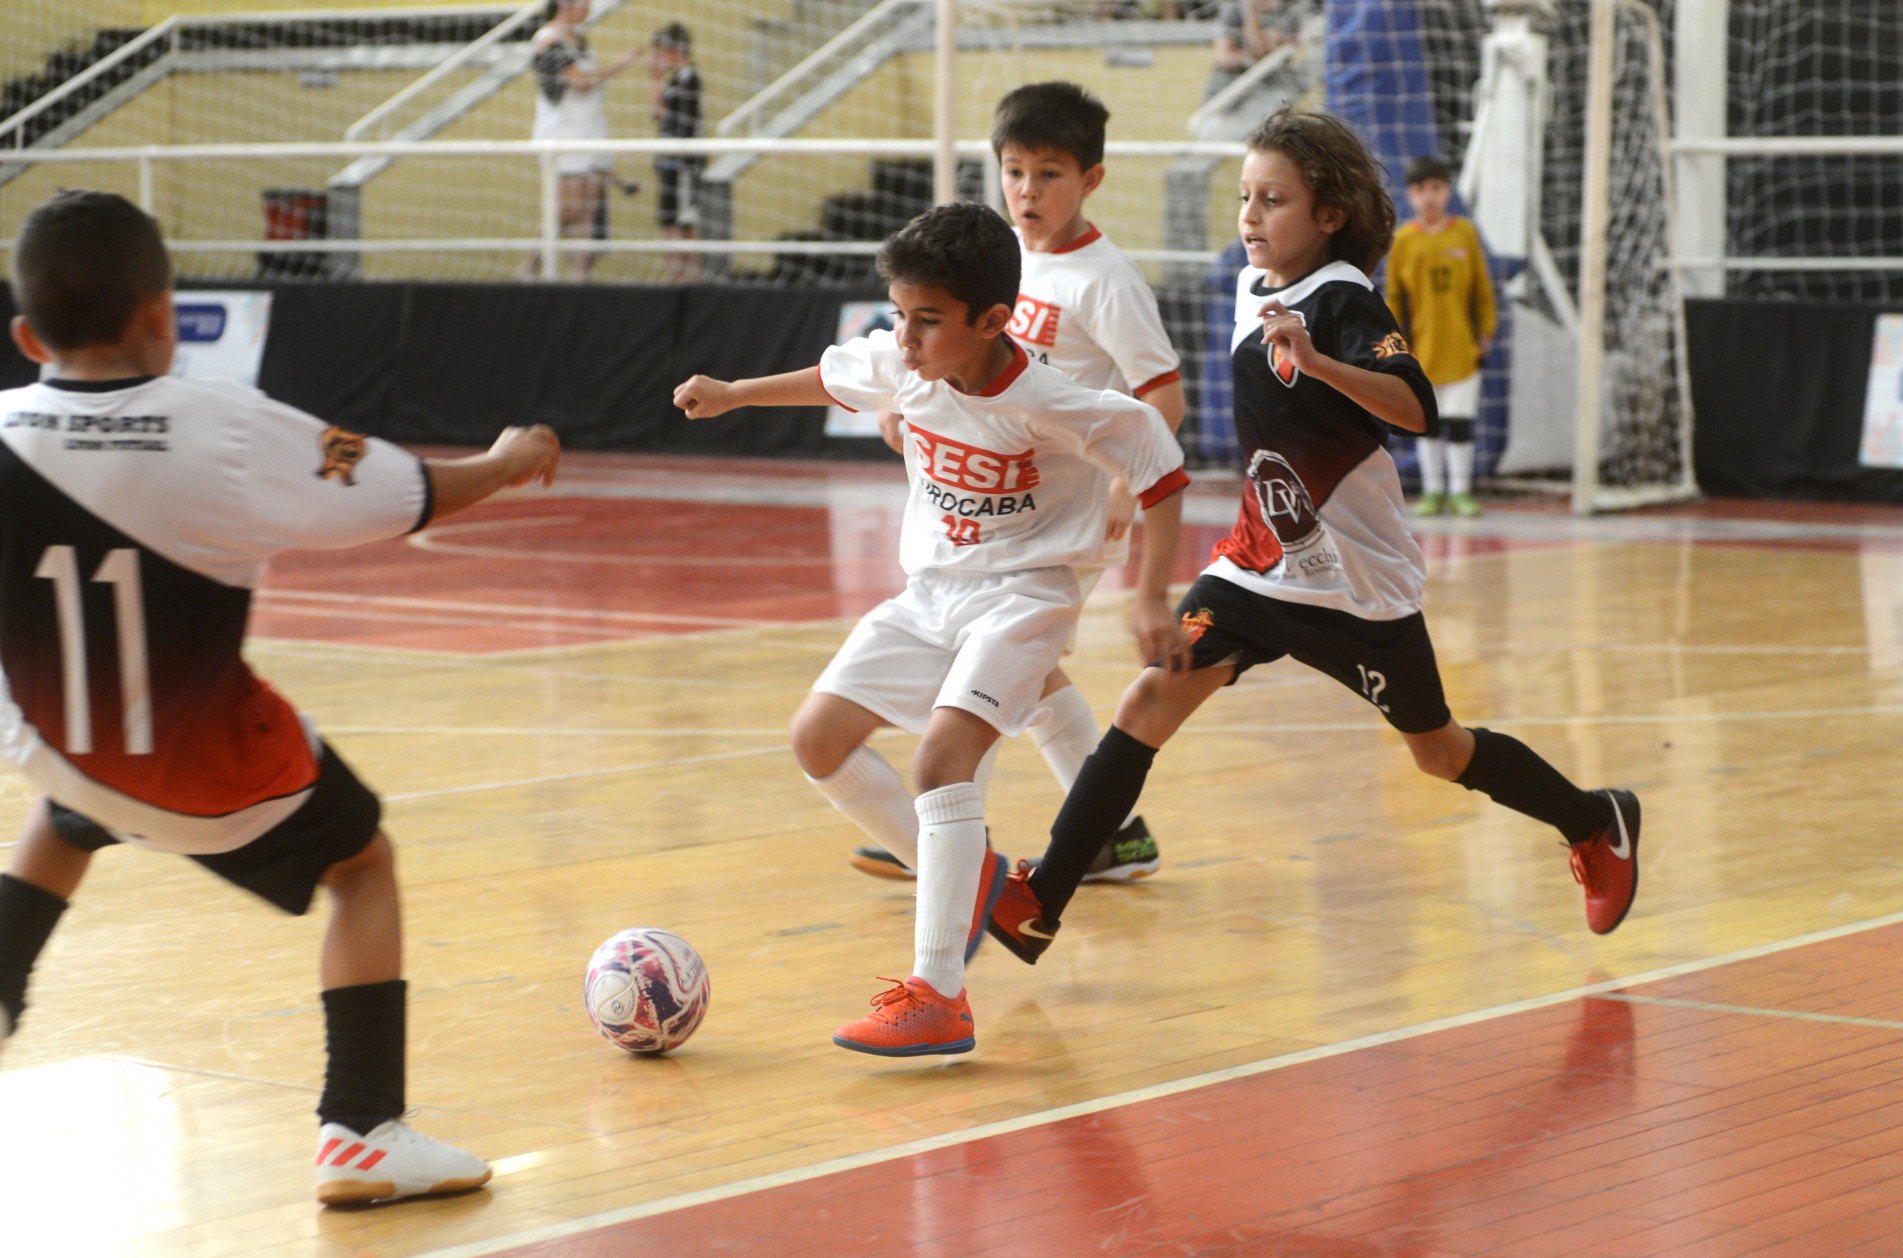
(119, 569)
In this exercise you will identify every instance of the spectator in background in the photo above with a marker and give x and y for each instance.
(674, 101)
(568, 106)
(1442, 297)
(1246, 32)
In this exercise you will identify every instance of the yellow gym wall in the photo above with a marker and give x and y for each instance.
(499, 197)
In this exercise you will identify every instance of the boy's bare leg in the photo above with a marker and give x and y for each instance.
(364, 941)
(44, 859)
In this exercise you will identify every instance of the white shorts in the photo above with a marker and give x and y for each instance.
(1087, 579)
(1459, 400)
(982, 642)
(584, 163)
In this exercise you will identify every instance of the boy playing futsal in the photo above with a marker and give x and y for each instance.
(1008, 462)
(136, 515)
(1439, 291)
(1084, 308)
(1321, 565)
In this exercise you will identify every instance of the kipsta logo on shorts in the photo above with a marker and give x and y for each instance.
(1283, 499)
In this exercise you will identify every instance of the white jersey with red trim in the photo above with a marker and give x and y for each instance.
(1012, 478)
(135, 519)
(1087, 310)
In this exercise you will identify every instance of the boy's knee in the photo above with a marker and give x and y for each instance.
(1442, 758)
(377, 861)
(816, 746)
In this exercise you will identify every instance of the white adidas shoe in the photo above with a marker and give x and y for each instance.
(392, 1161)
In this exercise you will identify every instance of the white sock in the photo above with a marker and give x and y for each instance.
(871, 792)
(1068, 736)
(1460, 467)
(951, 849)
(1433, 481)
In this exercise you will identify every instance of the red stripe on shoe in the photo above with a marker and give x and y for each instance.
(325, 1151)
(372, 1160)
(347, 1154)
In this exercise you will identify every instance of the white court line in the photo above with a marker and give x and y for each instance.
(667, 1205)
(533, 610)
(1753, 1010)
(584, 773)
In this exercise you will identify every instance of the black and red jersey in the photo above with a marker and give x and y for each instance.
(135, 519)
(1322, 519)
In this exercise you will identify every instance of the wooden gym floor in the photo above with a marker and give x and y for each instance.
(1358, 1012)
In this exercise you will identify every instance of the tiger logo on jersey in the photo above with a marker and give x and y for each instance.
(1390, 345)
(342, 452)
(1197, 623)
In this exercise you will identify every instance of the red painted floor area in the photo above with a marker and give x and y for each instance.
(573, 568)
(1607, 1127)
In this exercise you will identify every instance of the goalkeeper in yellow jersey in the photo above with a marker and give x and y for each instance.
(1441, 296)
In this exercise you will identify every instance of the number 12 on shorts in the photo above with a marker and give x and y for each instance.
(961, 532)
(1372, 684)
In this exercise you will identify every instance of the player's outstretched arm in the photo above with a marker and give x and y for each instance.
(703, 397)
(1159, 633)
(519, 456)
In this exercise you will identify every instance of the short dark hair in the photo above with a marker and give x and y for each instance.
(1340, 171)
(963, 248)
(673, 36)
(82, 263)
(1054, 115)
(1422, 169)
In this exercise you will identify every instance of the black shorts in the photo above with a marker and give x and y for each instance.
(675, 201)
(286, 862)
(1390, 663)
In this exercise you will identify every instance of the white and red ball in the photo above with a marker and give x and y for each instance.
(646, 990)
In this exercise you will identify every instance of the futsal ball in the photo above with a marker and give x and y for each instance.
(646, 990)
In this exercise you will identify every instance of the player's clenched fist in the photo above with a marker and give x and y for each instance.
(1287, 330)
(702, 397)
(530, 453)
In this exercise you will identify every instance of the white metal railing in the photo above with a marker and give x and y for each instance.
(171, 27)
(760, 103)
(549, 242)
(474, 48)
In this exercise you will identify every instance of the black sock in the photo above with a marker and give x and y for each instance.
(27, 917)
(363, 1080)
(1457, 431)
(1509, 772)
(1100, 799)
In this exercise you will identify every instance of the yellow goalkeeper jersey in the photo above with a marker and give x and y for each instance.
(1440, 294)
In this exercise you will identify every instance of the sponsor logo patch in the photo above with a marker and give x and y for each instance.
(342, 452)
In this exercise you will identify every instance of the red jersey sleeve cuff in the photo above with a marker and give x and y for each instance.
(1150, 386)
(1164, 488)
(821, 376)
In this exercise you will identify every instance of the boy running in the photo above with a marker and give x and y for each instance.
(136, 516)
(1084, 308)
(1321, 565)
(1009, 463)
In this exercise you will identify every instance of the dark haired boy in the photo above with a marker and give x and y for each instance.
(1083, 307)
(1442, 297)
(133, 711)
(1008, 461)
(674, 104)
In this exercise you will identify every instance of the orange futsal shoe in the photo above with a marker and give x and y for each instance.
(991, 879)
(1017, 920)
(911, 1019)
(1607, 865)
